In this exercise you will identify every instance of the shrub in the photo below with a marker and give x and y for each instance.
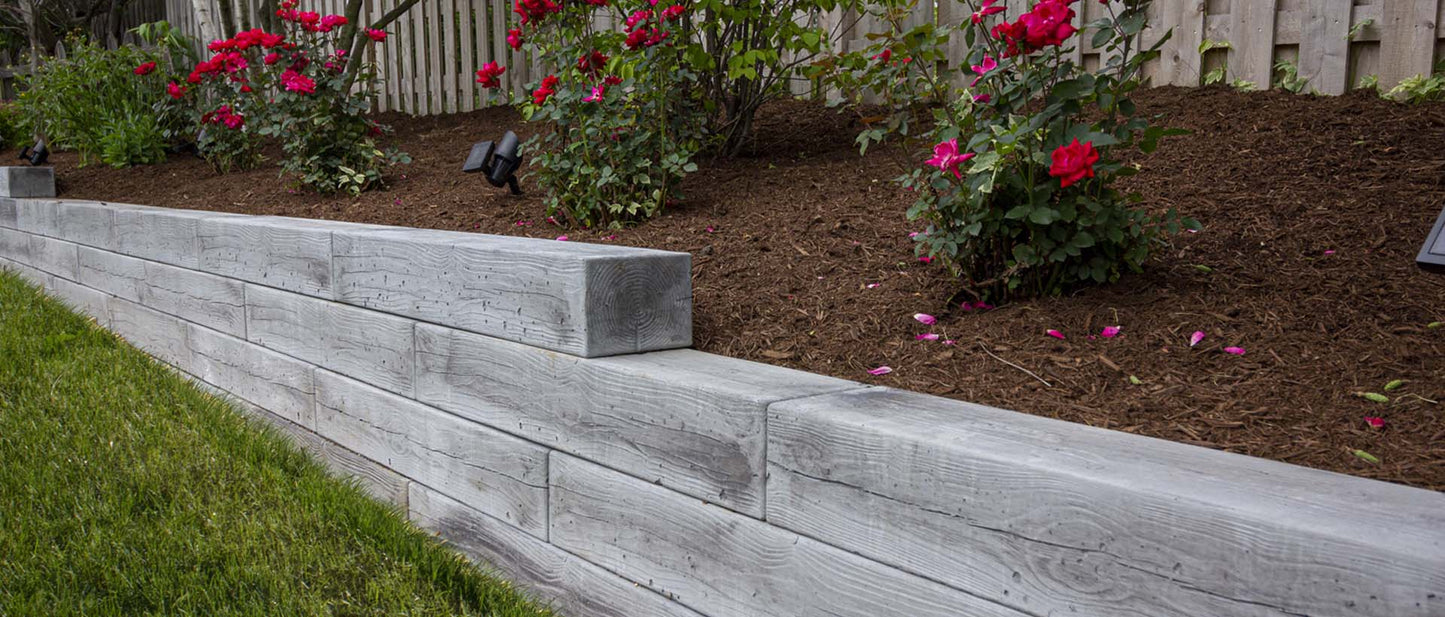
(15, 131)
(83, 101)
(620, 119)
(1018, 194)
(291, 86)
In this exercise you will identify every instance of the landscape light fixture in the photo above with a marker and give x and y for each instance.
(37, 154)
(1432, 255)
(498, 160)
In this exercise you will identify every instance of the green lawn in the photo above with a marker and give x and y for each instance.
(124, 490)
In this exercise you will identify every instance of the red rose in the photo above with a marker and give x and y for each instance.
(514, 38)
(488, 74)
(145, 69)
(376, 35)
(1074, 162)
(175, 90)
(296, 82)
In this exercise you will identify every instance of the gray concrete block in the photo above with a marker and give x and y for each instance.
(381, 483)
(57, 257)
(486, 469)
(573, 587)
(84, 300)
(88, 223)
(581, 299)
(290, 254)
(1053, 517)
(212, 301)
(158, 234)
(373, 347)
(15, 246)
(153, 332)
(115, 274)
(27, 182)
(276, 383)
(29, 274)
(721, 563)
(7, 213)
(687, 420)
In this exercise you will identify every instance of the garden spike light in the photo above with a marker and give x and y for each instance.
(499, 161)
(37, 155)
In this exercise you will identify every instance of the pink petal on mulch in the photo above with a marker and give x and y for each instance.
(1330, 252)
(1375, 422)
(927, 260)
(610, 237)
(882, 370)
(1055, 333)
(874, 285)
(926, 337)
(710, 229)
(1110, 332)
(912, 234)
(1195, 338)
(523, 223)
(949, 342)
(1236, 351)
(925, 319)
(561, 238)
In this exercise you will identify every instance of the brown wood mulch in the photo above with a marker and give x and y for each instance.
(1312, 211)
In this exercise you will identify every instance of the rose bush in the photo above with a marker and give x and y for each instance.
(1018, 198)
(293, 87)
(620, 120)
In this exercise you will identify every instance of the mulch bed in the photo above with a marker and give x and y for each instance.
(1312, 212)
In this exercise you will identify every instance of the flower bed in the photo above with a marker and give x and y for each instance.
(1312, 210)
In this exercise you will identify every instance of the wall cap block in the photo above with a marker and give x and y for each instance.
(21, 181)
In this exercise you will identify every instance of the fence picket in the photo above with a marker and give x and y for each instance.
(1407, 44)
(1251, 31)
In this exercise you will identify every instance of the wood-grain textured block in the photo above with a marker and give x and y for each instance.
(374, 347)
(84, 300)
(88, 223)
(1052, 517)
(486, 469)
(572, 586)
(57, 257)
(290, 254)
(274, 382)
(687, 420)
(153, 332)
(721, 563)
(27, 182)
(581, 299)
(31, 275)
(212, 301)
(15, 246)
(7, 213)
(158, 234)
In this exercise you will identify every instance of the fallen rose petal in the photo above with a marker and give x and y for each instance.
(1195, 338)
(710, 229)
(1330, 252)
(925, 319)
(949, 342)
(1110, 332)
(913, 234)
(1237, 351)
(874, 285)
(1375, 422)
(926, 337)
(982, 306)
(1055, 333)
(561, 238)
(927, 260)
(882, 370)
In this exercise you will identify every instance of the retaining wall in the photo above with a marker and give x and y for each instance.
(491, 387)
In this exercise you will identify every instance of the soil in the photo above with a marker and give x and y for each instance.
(1312, 212)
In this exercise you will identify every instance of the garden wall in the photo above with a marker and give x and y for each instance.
(531, 402)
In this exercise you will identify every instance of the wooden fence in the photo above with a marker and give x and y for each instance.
(428, 63)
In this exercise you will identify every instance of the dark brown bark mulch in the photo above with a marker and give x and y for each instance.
(786, 242)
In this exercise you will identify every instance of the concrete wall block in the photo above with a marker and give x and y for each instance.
(374, 347)
(581, 299)
(88, 223)
(274, 382)
(1051, 517)
(15, 246)
(90, 302)
(290, 254)
(27, 181)
(7, 213)
(57, 257)
(573, 587)
(687, 420)
(159, 234)
(153, 332)
(721, 563)
(212, 301)
(115, 274)
(486, 469)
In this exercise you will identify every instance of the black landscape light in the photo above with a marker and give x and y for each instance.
(37, 154)
(498, 160)
(1432, 255)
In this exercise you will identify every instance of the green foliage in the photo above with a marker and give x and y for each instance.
(129, 491)
(1215, 75)
(1419, 89)
(15, 131)
(1002, 216)
(79, 102)
(289, 87)
(1288, 78)
(1357, 28)
(617, 136)
(1369, 82)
